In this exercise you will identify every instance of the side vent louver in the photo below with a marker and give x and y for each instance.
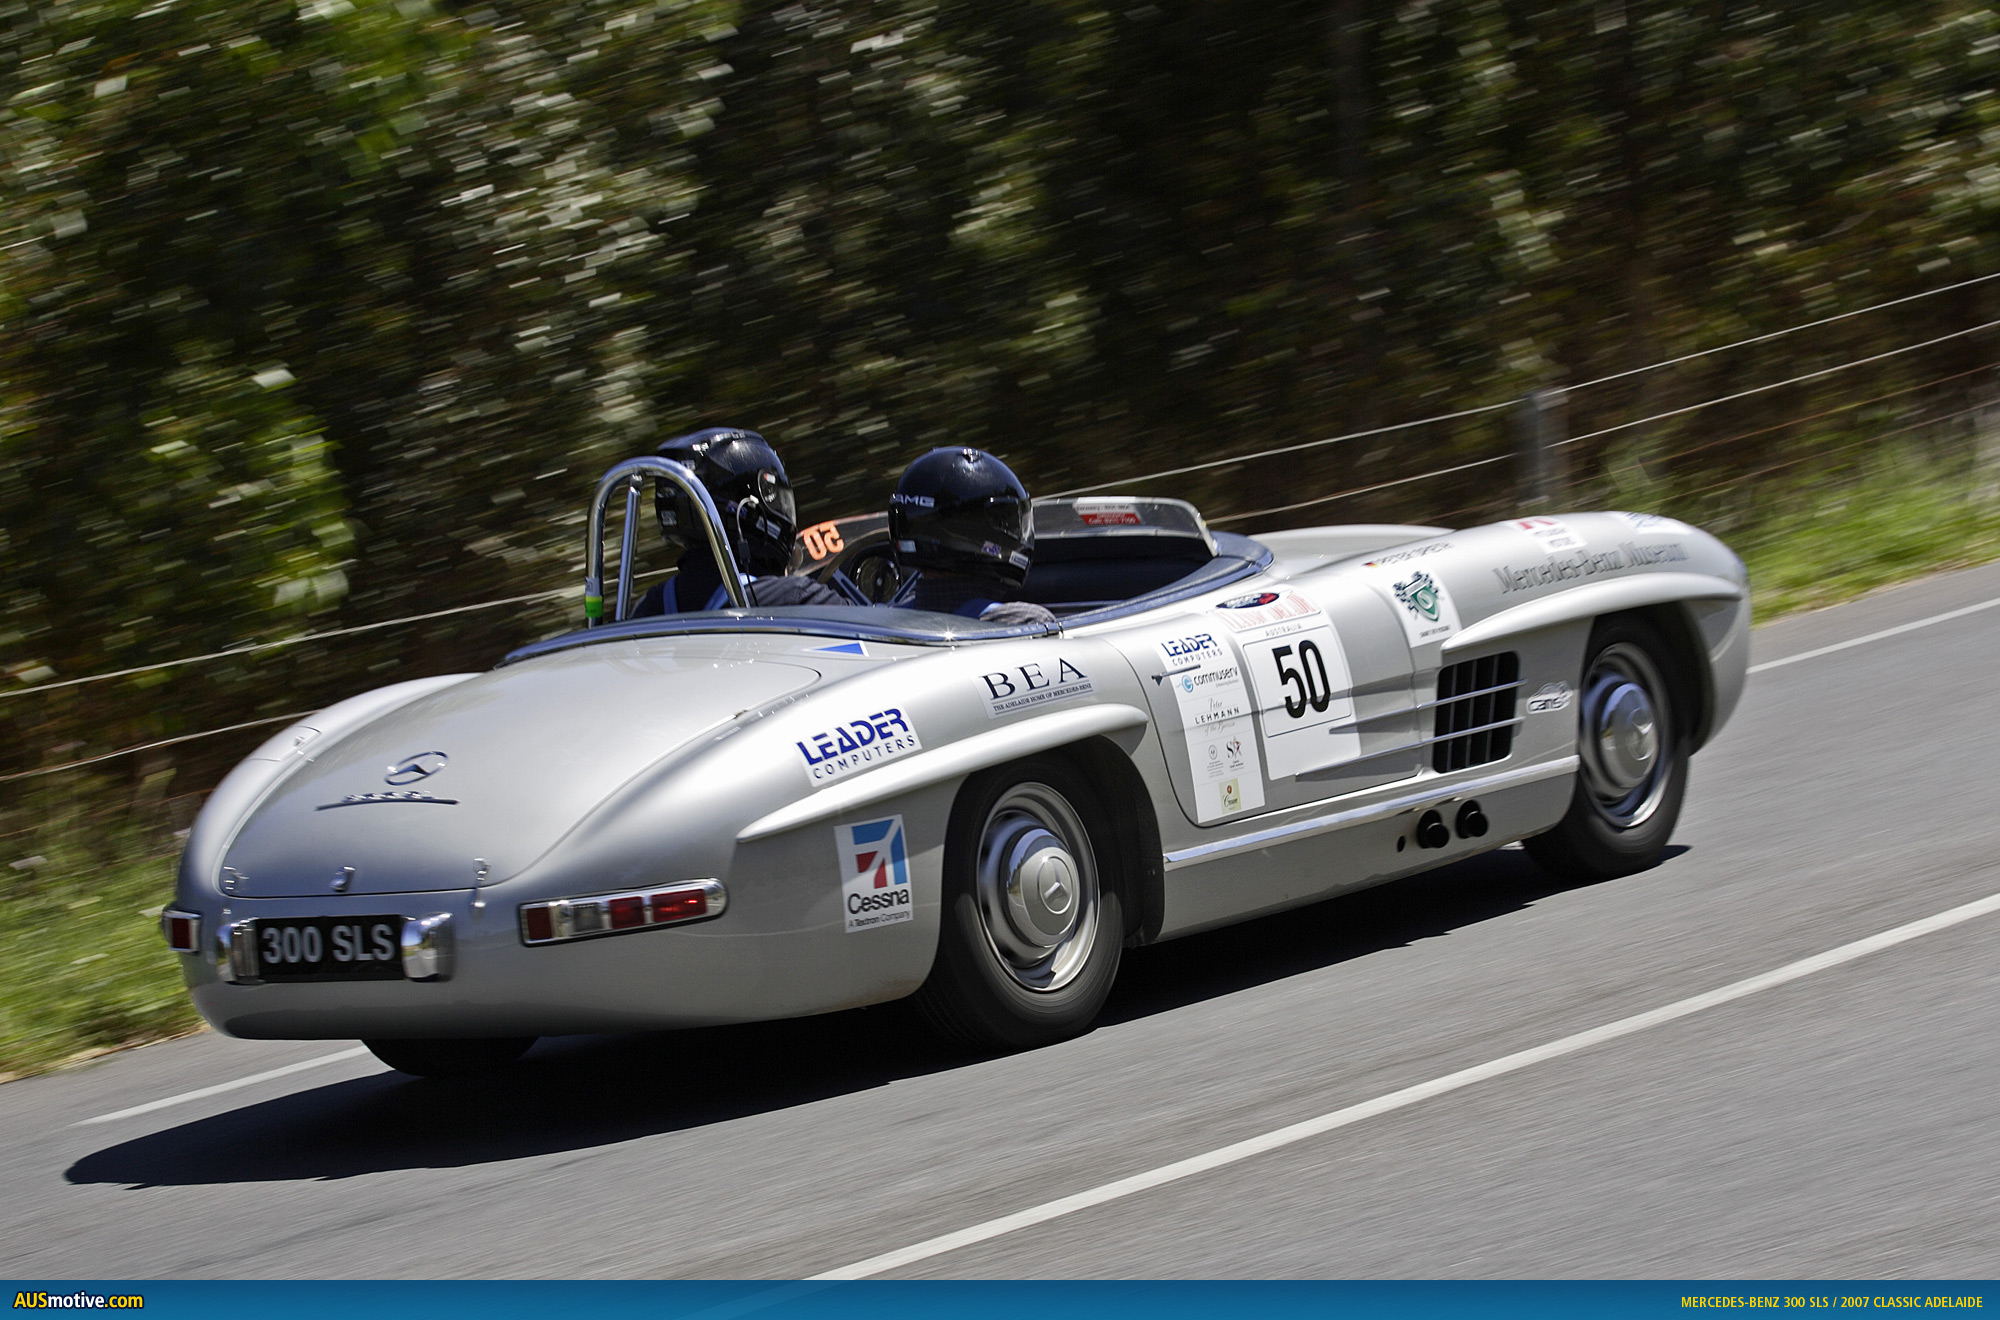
(1475, 711)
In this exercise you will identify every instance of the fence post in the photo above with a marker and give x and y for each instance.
(1539, 427)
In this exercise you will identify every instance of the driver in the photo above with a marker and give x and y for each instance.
(748, 484)
(965, 523)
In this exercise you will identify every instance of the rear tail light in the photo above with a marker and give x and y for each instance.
(612, 914)
(182, 929)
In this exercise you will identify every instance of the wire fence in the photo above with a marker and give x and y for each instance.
(253, 648)
(1484, 409)
(151, 746)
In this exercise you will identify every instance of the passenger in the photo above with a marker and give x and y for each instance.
(965, 523)
(745, 478)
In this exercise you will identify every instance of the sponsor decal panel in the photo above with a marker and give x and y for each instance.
(1423, 551)
(1549, 696)
(1216, 727)
(1108, 513)
(875, 887)
(1260, 610)
(1024, 687)
(1425, 607)
(1304, 691)
(1299, 673)
(1551, 535)
(851, 746)
(1662, 552)
(1586, 564)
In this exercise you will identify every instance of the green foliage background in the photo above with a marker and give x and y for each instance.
(320, 314)
(316, 315)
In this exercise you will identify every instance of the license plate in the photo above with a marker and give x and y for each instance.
(329, 948)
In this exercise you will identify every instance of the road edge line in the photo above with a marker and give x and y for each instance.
(221, 1087)
(1409, 1095)
(1896, 631)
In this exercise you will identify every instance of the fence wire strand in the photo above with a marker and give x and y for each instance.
(1774, 385)
(330, 634)
(147, 747)
(253, 647)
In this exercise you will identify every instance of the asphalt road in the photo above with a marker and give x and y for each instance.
(1839, 1124)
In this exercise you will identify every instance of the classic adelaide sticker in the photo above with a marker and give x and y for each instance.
(855, 745)
(1024, 687)
(875, 873)
(1216, 727)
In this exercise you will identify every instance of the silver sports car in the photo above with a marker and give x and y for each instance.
(746, 813)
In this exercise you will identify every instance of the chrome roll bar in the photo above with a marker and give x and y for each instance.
(631, 475)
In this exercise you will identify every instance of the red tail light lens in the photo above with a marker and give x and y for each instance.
(561, 919)
(680, 905)
(183, 931)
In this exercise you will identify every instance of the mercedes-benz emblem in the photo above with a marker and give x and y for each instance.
(412, 768)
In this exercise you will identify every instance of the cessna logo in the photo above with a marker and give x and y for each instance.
(412, 768)
(875, 881)
(1420, 595)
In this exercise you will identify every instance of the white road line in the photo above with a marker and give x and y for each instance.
(220, 1087)
(1897, 631)
(1340, 1118)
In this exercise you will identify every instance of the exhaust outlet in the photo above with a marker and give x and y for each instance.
(1431, 831)
(1471, 822)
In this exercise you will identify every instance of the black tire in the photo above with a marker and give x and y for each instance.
(1619, 820)
(447, 1057)
(1038, 822)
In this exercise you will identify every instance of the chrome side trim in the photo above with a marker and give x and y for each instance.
(1590, 600)
(1333, 771)
(1441, 789)
(428, 947)
(961, 758)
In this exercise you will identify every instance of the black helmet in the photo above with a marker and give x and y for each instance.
(963, 511)
(750, 490)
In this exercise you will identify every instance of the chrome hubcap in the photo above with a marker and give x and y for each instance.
(1037, 887)
(1627, 740)
(1626, 743)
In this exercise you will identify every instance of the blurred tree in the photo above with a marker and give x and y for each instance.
(320, 314)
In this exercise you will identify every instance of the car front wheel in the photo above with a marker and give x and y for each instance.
(1633, 769)
(1031, 930)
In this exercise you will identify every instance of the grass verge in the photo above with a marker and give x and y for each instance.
(82, 966)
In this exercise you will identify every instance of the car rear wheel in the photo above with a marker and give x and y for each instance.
(1634, 762)
(1032, 928)
(447, 1057)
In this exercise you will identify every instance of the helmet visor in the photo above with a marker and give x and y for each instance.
(775, 493)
